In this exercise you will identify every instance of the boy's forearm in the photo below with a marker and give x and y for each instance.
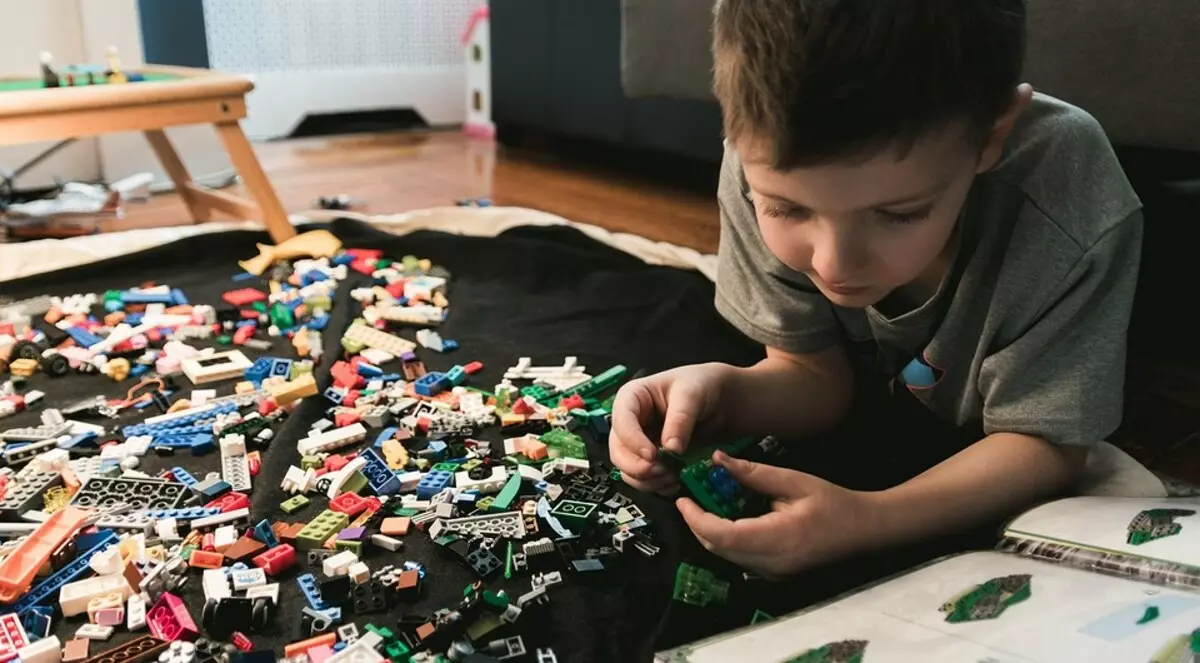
(993, 478)
(790, 396)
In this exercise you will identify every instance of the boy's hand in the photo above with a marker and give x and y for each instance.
(667, 409)
(811, 520)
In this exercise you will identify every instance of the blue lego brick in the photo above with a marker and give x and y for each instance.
(215, 489)
(131, 297)
(381, 477)
(37, 621)
(245, 323)
(318, 322)
(83, 438)
(139, 370)
(49, 587)
(259, 370)
(334, 396)
(456, 375)
(202, 444)
(198, 422)
(311, 590)
(385, 435)
(339, 646)
(264, 533)
(437, 448)
(82, 336)
(113, 305)
(313, 276)
(244, 276)
(281, 368)
(134, 319)
(178, 298)
(433, 483)
(183, 476)
(430, 384)
(465, 500)
(369, 370)
(390, 377)
(184, 513)
(449, 345)
(334, 614)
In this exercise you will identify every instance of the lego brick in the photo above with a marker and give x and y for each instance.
(107, 493)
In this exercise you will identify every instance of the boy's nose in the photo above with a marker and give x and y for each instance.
(839, 263)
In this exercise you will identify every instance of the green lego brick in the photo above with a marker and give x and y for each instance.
(538, 392)
(406, 512)
(502, 501)
(310, 463)
(396, 651)
(699, 587)
(572, 513)
(498, 601)
(281, 316)
(353, 546)
(224, 339)
(294, 504)
(695, 478)
(326, 524)
(445, 467)
(563, 443)
(601, 382)
(381, 631)
(485, 503)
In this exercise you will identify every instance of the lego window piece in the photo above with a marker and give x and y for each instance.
(220, 366)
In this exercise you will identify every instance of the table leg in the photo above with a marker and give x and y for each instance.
(244, 160)
(178, 173)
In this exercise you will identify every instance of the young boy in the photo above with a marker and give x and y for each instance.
(898, 209)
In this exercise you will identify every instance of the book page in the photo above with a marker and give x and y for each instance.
(985, 607)
(1165, 530)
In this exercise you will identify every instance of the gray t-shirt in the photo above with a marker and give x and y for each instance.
(1026, 333)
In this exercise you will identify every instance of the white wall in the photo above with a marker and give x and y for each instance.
(34, 26)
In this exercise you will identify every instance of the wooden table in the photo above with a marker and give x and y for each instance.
(170, 96)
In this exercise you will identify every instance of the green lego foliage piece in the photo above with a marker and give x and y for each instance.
(406, 512)
(326, 524)
(445, 467)
(224, 339)
(498, 601)
(355, 483)
(353, 546)
(699, 587)
(259, 306)
(293, 504)
(563, 443)
(509, 493)
(601, 382)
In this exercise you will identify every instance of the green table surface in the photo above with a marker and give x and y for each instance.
(16, 84)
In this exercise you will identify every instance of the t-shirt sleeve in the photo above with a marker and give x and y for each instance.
(1063, 378)
(759, 295)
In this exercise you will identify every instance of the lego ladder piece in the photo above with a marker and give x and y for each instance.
(19, 568)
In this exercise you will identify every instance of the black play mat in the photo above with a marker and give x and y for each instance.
(540, 292)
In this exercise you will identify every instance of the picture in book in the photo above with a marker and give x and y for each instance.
(1166, 530)
(984, 607)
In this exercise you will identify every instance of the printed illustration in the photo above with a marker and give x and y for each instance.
(988, 600)
(846, 651)
(1153, 524)
(1183, 648)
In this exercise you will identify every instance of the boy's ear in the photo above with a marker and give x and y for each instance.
(994, 147)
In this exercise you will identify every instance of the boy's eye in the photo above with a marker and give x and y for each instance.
(781, 212)
(908, 217)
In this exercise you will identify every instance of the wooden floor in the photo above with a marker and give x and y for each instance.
(401, 171)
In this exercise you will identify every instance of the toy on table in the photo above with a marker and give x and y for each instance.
(711, 486)
(312, 244)
(85, 74)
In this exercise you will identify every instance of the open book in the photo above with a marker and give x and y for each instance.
(1078, 579)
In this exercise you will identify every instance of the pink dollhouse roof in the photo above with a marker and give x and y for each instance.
(478, 15)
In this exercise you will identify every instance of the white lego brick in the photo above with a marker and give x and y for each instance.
(139, 445)
(135, 613)
(252, 577)
(338, 564)
(225, 536)
(339, 478)
(107, 561)
(530, 472)
(167, 530)
(221, 518)
(45, 650)
(271, 591)
(373, 338)
(215, 584)
(372, 639)
(359, 572)
(330, 440)
(386, 542)
(73, 598)
(494, 483)
(94, 632)
(202, 396)
(216, 367)
(296, 480)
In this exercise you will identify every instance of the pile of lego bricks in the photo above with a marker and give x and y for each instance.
(396, 511)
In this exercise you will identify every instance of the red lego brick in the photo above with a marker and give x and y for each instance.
(348, 503)
(276, 560)
(244, 296)
(230, 502)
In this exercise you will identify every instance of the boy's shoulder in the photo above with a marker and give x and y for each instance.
(1062, 164)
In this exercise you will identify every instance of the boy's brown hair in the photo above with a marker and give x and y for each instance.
(823, 80)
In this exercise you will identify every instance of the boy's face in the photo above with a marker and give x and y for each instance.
(861, 230)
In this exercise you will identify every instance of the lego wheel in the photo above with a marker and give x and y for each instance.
(26, 350)
(56, 365)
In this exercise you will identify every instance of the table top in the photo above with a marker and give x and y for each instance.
(23, 95)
